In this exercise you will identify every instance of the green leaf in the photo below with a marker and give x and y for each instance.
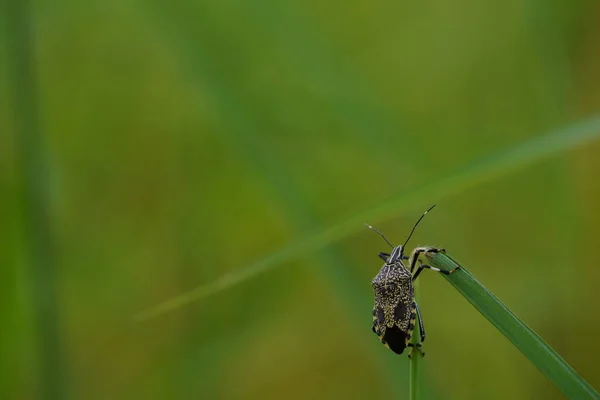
(524, 338)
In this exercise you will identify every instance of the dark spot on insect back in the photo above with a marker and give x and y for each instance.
(396, 339)
(380, 315)
(401, 312)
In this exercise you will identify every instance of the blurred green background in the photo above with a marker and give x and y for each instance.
(244, 143)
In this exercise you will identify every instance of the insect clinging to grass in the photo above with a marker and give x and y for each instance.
(395, 310)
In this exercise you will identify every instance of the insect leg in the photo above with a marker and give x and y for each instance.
(415, 346)
(374, 327)
(424, 266)
(417, 252)
(421, 326)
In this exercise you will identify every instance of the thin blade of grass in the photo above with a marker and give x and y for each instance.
(550, 363)
(51, 382)
(243, 125)
(471, 175)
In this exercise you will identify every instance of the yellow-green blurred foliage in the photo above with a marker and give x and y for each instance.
(188, 139)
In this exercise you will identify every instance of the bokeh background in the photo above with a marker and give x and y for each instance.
(221, 156)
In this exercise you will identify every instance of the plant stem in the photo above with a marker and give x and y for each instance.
(417, 357)
(37, 245)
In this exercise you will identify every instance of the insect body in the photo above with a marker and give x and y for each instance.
(395, 310)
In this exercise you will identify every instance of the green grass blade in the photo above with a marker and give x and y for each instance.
(35, 201)
(524, 338)
(471, 175)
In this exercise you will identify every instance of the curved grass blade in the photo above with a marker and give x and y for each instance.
(471, 175)
(548, 361)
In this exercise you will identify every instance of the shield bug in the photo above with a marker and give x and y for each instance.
(395, 310)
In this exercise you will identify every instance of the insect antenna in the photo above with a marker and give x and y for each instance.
(414, 227)
(380, 234)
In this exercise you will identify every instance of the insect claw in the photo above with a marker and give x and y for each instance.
(415, 346)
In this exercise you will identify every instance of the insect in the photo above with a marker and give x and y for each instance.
(395, 310)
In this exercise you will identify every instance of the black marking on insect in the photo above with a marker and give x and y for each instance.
(395, 310)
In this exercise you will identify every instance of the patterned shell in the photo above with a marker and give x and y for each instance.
(394, 309)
